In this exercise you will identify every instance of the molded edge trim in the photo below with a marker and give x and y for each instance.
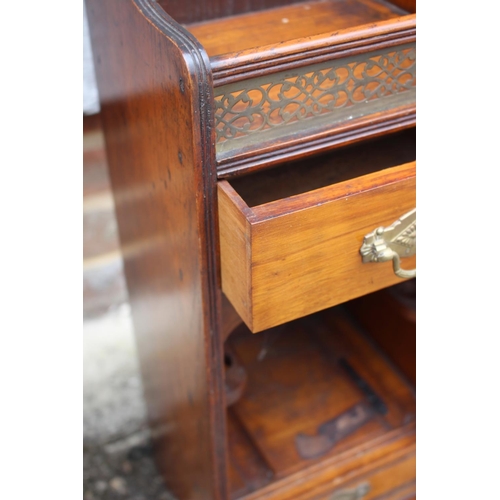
(269, 59)
(199, 68)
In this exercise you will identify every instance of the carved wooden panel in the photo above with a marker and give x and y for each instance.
(330, 93)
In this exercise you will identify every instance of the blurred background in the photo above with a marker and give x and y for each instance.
(116, 452)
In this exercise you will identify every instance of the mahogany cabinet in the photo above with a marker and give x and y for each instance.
(262, 159)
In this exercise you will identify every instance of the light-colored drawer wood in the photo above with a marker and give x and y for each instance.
(288, 258)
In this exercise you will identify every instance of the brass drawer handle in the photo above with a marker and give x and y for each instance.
(393, 242)
(354, 494)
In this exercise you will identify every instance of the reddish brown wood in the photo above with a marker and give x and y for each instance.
(235, 376)
(191, 11)
(328, 475)
(155, 91)
(248, 471)
(308, 174)
(395, 332)
(308, 144)
(409, 5)
(157, 100)
(277, 26)
(295, 383)
(398, 477)
(235, 66)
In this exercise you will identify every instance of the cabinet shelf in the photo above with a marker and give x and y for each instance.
(227, 37)
(297, 381)
(294, 80)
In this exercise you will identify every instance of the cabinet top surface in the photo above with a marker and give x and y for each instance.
(301, 20)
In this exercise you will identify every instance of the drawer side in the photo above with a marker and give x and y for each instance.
(235, 249)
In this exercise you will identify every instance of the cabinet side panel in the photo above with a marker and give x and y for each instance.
(155, 97)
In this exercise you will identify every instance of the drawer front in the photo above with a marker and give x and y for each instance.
(394, 482)
(391, 478)
(292, 257)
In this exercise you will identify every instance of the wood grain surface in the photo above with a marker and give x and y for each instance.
(273, 26)
(190, 11)
(311, 49)
(268, 111)
(295, 383)
(301, 254)
(154, 85)
(368, 26)
(283, 258)
(342, 164)
(395, 481)
(314, 141)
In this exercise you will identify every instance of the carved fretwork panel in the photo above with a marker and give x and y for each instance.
(320, 95)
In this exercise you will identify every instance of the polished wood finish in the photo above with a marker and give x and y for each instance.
(234, 233)
(279, 110)
(276, 26)
(289, 252)
(393, 481)
(408, 5)
(162, 172)
(265, 249)
(311, 143)
(295, 383)
(251, 50)
(340, 165)
(395, 333)
(365, 35)
(190, 11)
(290, 54)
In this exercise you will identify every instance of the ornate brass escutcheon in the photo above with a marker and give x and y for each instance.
(357, 493)
(393, 242)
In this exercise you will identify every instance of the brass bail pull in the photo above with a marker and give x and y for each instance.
(392, 243)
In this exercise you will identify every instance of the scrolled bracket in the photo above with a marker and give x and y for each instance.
(392, 243)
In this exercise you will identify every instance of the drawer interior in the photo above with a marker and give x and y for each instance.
(299, 20)
(298, 177)
(300, 377)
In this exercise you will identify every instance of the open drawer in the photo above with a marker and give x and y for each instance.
(290, 238)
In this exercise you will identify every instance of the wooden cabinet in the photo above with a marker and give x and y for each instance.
(252, 145)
